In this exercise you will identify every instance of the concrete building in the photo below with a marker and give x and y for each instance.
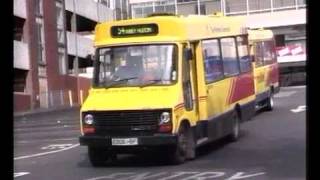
(286, 18)
(53, 48)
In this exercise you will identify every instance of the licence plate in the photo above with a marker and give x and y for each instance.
(124, 141)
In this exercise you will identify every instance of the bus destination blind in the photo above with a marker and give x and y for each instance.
(134, 30)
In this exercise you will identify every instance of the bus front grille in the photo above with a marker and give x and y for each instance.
(126, 123)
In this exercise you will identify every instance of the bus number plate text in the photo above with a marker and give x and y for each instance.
(124, 141)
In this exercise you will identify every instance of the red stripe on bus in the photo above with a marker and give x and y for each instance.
(243, 86)
(179, 106)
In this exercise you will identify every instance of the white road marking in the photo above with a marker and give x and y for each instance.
(20, 174)
(293, 87)
(45, 153)
(176, 175)
(284, 94)
(206, 175)
(299, 109)
(57, 146)
(182, 175)
(239, 175)
(112, 176)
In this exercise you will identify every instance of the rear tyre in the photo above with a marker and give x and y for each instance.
(269, 103)
(98, 156)
(234, 136)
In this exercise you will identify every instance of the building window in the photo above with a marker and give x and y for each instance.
(244, 58)
(39, 30)
(212, 60)
(236, 6)
(62, 61)
(18, 28)
(202, 8)
(259, 5)
(229, 56)
(182, 1)
(39, 7)
(19, 80)
(301, 2)
(283, 3)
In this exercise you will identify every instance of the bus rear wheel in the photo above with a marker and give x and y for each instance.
(234, 136)
(269, 103)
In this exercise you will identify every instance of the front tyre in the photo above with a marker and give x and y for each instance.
(178, 154)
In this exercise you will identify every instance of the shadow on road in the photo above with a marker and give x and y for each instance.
(149, 158)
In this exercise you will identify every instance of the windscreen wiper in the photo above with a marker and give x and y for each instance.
(152, 81)
(116, 82)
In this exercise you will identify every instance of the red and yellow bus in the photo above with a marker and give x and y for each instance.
(167, 83)
(265, 65)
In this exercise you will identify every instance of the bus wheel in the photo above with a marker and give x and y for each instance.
(269, 103)
(178, 155)
(191, 146)
(98, 156)
(234, 136)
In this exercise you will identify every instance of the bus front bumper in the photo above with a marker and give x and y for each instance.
(145, 141)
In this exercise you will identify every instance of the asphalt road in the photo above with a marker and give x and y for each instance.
(272, 146)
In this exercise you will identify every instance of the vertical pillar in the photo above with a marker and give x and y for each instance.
(175, 7)
(76, 60)
(198, 2)
(248, 7)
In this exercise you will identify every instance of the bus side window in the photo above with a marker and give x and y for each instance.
(267, 52)
(244, 58)
(212, 60)
(258, 54)
(229, 56)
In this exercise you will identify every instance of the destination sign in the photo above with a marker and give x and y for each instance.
(134, 30)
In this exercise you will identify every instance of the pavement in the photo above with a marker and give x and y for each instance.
(42, 111)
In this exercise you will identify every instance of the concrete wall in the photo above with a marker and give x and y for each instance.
(276, 19)
(19, 8)
(21, 55)
(90, 9)
(186, 9)
(85, 45)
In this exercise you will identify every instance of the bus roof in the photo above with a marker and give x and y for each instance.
(168, 29)
(259, 34)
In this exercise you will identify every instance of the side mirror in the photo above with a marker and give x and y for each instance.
(187, 53)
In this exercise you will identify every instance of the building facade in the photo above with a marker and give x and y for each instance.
(53, 46)
(286, 18)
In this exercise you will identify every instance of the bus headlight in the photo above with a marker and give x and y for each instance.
(164, 118)
(88, 119)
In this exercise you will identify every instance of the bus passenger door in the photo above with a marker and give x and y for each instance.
(189, 84)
